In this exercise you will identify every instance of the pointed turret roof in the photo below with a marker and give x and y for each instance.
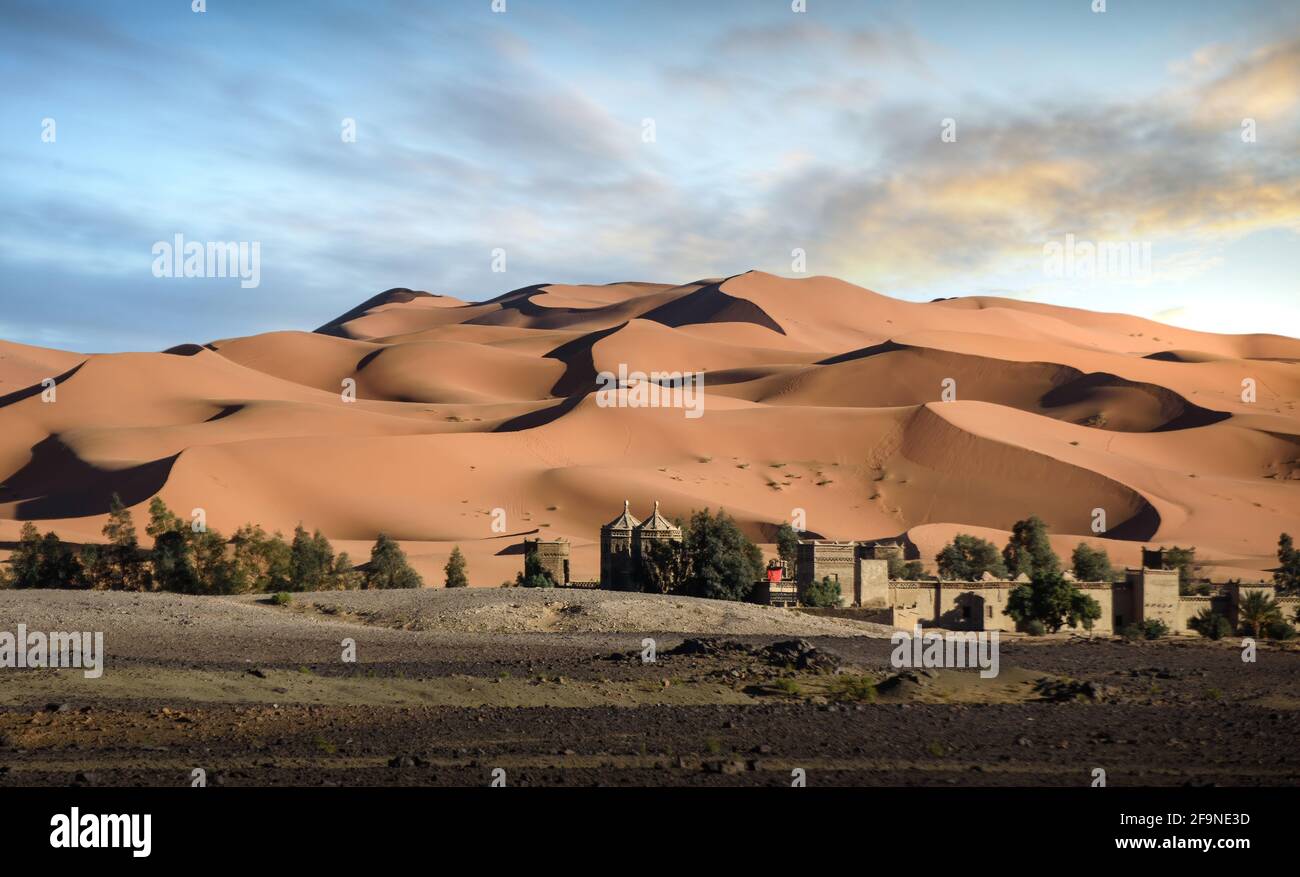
(658, 523)
(625, 521)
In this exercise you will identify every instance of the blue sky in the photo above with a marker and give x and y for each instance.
(523, 131)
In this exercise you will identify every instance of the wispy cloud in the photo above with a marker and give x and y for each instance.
(525, 132)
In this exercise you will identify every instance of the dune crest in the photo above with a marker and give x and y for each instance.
(875, 416)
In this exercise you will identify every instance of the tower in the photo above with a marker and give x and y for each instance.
(617, 560)
(655, 528)
(552, 555)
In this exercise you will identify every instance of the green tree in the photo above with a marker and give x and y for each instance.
(723, 563)
(214, 562)
(967, 558)
(162, 520)
(1257, 610)
(262, 563)
(345, 577)
(123, 563)
(906, 570)
(189, 560)
(787, 545)
(1091, 564)
(1054, 602)
(1287, 576)
(173, 563)
(455, 570)
(311, 561)
(388, 567)
(664, 567)
(824, 594)
(43, 562)
(25, 561)
(1029, 551)
(1183, 560)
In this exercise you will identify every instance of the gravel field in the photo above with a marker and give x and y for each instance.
(551, 686)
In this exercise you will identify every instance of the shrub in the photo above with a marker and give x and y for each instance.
(851, 688)
(1152, 628)
(1034, 627)
(281, 599)
(823, 594)
(534, 574)
(1279, 630)
(1210, 624)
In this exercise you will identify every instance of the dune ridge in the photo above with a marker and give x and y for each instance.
(818, 395)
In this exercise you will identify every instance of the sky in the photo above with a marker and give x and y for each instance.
(920, 148)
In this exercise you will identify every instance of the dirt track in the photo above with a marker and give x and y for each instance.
(258, 695)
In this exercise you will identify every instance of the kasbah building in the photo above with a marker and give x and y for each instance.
(861, 567)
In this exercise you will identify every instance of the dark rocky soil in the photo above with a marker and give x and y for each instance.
(584, 710)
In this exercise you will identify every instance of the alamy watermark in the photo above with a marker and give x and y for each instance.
(77, 830)
(56, 649)
(637, 389)
(181, 258)
(1097, 260)
(951, 649)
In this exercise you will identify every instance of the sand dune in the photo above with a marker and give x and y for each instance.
(820, 396)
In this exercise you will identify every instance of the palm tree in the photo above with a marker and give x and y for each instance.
(1258, 609)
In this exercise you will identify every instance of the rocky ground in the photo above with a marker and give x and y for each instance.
(552, 688)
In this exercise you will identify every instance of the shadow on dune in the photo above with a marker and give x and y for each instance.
(864, 352)
(397, 295)
(56, 483)
(224, 413)
(542, 416)
(709, 304)
(1142, 527)
(37, 389)
(1177, 411)
(516, 548)
(579, 364)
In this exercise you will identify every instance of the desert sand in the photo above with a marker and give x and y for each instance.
(820, 396)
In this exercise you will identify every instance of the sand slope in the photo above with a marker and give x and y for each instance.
(821, 396)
